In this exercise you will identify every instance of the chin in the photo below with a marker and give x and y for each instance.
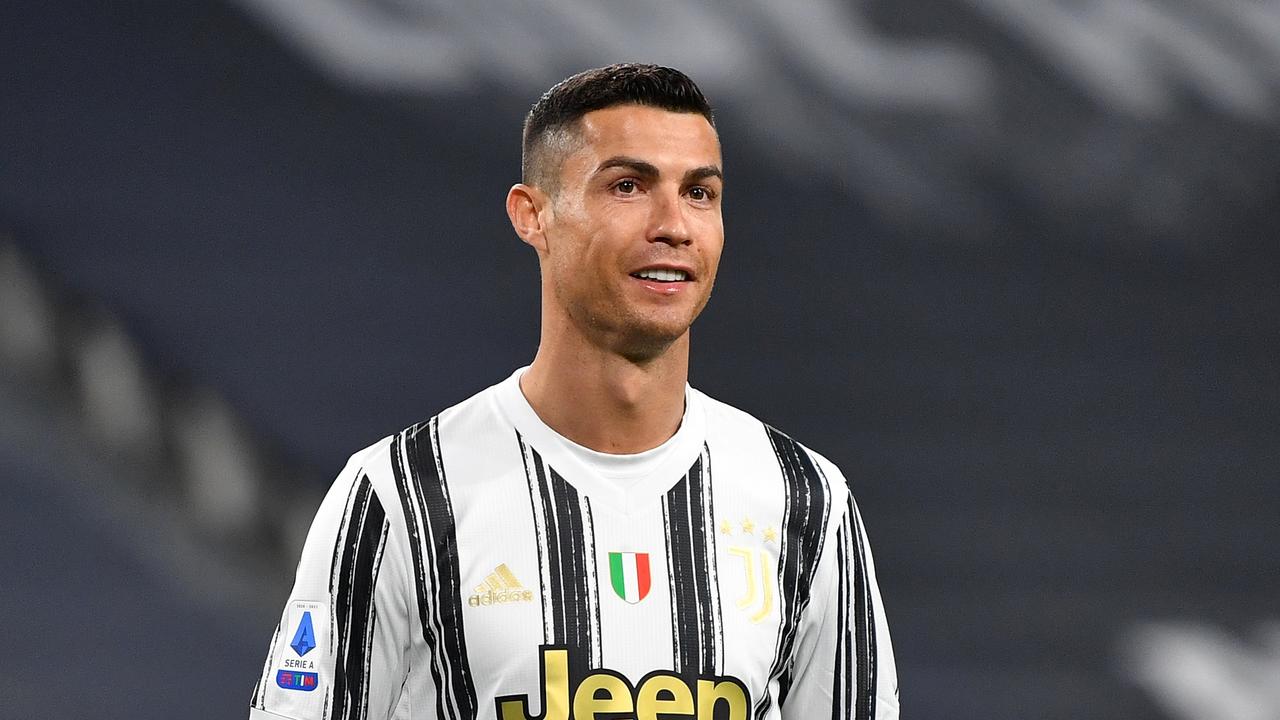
(634, 333)
(642, 342)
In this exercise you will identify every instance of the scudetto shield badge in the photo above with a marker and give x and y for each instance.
(629, 573)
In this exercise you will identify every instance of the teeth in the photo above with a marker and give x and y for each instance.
(663, 275)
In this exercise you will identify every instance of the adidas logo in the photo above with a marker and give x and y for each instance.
(500, 587)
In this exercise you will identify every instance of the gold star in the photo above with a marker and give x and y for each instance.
(725, 527)
(748, 527)
(770, 535)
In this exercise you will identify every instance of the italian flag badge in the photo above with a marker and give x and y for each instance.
(629, 573)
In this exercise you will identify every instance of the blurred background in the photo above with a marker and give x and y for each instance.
(1013, 264)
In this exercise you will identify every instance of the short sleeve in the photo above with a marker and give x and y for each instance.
(844, 666)
(341, 645)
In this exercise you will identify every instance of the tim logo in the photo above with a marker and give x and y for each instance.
(757, 568)
(294, 680)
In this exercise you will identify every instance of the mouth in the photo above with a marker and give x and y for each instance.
(663, 275)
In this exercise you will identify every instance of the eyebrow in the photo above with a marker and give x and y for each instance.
(702, 173)
(649, 170)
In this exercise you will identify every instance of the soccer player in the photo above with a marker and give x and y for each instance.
(591, 537)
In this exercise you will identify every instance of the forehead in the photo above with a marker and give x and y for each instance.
(661, 137)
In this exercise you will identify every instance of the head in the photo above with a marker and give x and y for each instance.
(620, 196)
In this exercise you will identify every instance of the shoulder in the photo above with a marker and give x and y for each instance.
(765, 445)
(411, 455)
(725, 418)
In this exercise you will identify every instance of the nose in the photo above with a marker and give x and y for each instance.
(667, 222)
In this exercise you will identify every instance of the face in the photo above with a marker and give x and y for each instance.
(633, 235)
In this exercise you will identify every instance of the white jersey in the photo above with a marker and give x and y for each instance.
(480, 565)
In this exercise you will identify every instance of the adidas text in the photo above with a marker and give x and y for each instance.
(502, 596)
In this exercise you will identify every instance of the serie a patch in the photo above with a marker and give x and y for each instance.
(302, 663)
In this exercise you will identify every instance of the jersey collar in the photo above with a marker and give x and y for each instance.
(625, 482)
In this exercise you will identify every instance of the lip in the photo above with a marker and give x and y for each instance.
(665, 289)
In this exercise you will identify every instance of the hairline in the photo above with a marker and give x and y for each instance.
(571, 134)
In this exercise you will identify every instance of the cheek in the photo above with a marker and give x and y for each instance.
(596, 250)
(565, 241)
(714, 246)
(578, 264)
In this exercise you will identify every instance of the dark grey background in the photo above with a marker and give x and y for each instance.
(1049, 371)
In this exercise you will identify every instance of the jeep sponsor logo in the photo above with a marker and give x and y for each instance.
(607, 694)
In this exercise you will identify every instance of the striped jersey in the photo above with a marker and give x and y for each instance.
(480, 565)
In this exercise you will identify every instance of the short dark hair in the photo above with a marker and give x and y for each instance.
(622, 84)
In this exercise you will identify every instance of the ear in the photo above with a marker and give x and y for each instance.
(524, 208)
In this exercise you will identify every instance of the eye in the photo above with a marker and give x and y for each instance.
(626, 187)
(700, 193)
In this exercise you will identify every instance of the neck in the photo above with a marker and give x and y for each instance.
(604, 401)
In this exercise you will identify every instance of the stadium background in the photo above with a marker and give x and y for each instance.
(1012, 265)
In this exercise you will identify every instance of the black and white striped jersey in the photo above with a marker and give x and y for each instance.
(479, 565)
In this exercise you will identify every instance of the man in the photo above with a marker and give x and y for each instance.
(592, 537)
